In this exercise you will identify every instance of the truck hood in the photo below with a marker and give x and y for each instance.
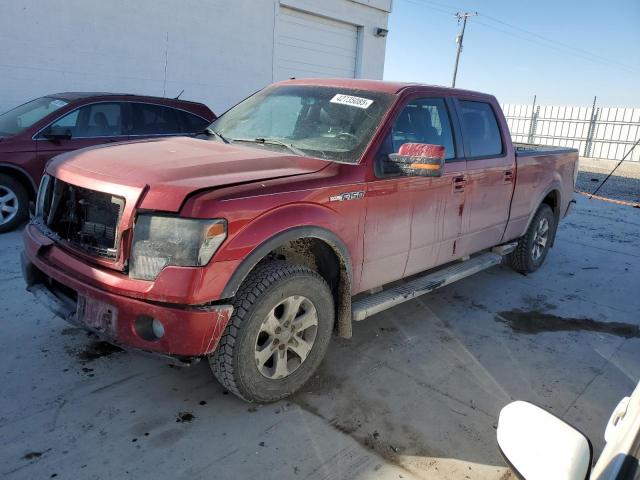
(170, 169)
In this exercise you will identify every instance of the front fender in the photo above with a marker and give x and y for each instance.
(279, 226)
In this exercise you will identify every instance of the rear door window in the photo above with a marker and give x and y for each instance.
(191, 123)
(151, 119)
(480, 130)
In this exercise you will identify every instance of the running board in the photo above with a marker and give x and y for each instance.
(378, 302)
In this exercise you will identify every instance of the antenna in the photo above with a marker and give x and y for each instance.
(178, 97)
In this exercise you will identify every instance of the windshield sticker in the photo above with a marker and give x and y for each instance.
(58, 103)
(352, 101)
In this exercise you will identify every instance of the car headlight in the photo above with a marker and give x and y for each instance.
(161, 240)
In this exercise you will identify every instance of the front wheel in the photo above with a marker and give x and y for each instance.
(533, 247)
(278, 334)
(14, 203)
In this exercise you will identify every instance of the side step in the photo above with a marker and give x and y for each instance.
(414, 288)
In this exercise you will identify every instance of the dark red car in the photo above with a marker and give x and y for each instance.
(33, 133)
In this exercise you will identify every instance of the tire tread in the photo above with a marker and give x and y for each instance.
(257, 282)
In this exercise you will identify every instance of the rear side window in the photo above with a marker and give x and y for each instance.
(192, 123)
(160, 120)
(480, 129)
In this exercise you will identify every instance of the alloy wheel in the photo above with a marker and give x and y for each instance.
(9, 204)
(286, 337)
(540, 239)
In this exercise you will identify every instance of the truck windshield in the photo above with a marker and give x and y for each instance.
(326, 122)
(22, 117)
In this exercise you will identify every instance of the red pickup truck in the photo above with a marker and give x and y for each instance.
(307, 206)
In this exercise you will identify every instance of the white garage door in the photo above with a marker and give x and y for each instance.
(312, 46)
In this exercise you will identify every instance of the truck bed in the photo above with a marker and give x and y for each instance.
(525, 149)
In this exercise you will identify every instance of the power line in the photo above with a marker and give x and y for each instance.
(566, 45)
(543, 41)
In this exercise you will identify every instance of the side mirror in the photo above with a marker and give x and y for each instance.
(540, 446)
(57, 133)
(416, 159)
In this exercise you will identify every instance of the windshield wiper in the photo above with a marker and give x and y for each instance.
(212, 133)
(273, 141)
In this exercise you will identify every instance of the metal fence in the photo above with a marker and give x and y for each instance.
(598, 132)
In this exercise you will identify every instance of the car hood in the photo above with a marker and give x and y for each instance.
(169, 169)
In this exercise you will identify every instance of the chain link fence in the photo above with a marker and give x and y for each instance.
(597, 132)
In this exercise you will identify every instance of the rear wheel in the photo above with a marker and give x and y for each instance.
(14, 203)
(533, 247)
(278, 334)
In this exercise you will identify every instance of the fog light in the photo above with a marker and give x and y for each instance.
(149, 328)
(157, 328)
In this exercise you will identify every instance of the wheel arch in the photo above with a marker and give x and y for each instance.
(332, 262)
(22, 176)
(552, 198)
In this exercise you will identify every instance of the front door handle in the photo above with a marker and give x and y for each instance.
(458, 184)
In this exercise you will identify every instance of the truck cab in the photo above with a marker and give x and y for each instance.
(309, 205)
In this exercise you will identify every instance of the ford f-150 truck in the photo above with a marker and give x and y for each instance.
(309, 205)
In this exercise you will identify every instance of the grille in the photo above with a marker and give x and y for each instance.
(87, 220)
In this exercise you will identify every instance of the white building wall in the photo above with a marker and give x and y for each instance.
(218, 51)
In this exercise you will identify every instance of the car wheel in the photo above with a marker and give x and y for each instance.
(14, 203)
(278, 334)
(533, 247)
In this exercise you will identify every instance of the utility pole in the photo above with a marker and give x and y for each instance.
(461, 16)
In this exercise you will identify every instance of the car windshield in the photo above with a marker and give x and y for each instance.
(326, 122)
(22, 117)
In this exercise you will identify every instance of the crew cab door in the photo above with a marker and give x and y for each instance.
(489, 177)
(86, 126)
(412, 223)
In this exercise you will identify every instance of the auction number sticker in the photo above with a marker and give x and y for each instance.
(351, 101)
(58, 103)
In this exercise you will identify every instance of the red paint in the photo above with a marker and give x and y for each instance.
(28, 156)
(421, 150)
(402, 226)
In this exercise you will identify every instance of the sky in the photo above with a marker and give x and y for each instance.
(563, 51)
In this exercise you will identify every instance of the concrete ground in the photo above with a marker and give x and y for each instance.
(623, 185)
(415, 394)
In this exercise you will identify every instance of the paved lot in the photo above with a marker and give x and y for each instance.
(415, 394)
(623, 185)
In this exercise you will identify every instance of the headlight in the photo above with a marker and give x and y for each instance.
(44, 192)
(161, 240)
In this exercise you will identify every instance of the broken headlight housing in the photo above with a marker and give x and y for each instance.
(162, 240)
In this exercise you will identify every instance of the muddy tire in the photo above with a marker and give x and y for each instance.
(14, 203)
(278, 334)
(533, 247)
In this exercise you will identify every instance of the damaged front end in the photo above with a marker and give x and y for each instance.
(83, 219)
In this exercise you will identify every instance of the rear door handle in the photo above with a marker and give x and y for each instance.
(508, 176)
(458, 184)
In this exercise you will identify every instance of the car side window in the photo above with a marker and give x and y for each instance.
(91, 121)
(480, 129)
(425, 120)
(151, 119)
(99, 120)
(68, 123)
(191, 123)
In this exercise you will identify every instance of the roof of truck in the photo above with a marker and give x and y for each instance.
(375, 85)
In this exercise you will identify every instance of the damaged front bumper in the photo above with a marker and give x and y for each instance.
(186, 332)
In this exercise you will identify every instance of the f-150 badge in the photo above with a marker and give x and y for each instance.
(347, 196)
